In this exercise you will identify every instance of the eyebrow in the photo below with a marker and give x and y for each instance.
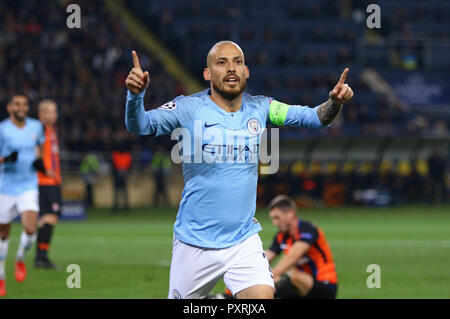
(225, 58)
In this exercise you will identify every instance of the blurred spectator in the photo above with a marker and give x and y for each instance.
(332, 183)
(437, 168)
(161, 166)
(89, 169)
(121, 160)
(84, 70)
(308, 43)
(295, 60)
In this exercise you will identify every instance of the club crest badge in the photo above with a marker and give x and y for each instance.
(254, 127)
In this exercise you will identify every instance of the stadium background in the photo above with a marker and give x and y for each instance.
(377, 181)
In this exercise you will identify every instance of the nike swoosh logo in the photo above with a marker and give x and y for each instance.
(209, 125)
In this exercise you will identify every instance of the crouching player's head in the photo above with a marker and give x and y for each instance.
(283, 212)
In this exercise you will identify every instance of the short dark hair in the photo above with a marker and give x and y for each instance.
(18, 94)
(282, 202)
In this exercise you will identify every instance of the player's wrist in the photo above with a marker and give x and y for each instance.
(335, 102)
(276, 272)
(131, 95)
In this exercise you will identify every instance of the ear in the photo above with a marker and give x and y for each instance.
(292, 213)
(247, 72)
(206, 74)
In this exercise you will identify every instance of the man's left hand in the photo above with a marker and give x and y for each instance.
(342, 93)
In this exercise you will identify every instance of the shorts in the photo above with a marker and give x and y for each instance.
(322, 290)
(319, 290)
(50, 200)
(194, 271)
(13, 205)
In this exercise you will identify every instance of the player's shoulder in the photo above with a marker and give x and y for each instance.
(305, 225)
(201, 94)
(260, 100)
(35, 126)
(199, 98)
(33, 122)
(257, 103)
(186, 101)
(3, 122)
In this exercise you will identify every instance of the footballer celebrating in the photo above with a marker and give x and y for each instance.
(215, 232)
(21, 140)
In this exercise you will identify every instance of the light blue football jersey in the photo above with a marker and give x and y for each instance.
(219, 167)
(20, 176)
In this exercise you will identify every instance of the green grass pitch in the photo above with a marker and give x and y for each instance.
(128, 255)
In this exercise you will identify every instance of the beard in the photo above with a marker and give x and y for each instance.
(19, 117)
(230, 95)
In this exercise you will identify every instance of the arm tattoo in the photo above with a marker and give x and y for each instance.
(328, 111)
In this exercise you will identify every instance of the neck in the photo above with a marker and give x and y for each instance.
(228, 105)
(17, 122)
(293, 228)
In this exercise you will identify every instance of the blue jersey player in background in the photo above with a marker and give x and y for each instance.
(215, 232)
(21, 138)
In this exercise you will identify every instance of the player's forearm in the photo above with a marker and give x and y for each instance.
(271, 255)
(136, 120)
(328, 111)
(286, 263)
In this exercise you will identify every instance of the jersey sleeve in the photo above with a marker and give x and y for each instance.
(275, 246)
(281, 114)
(41, 134)
(308, 233)
(1, 138)
(160, 121)
(2, 141)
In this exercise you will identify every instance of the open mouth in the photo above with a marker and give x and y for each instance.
(232, 80)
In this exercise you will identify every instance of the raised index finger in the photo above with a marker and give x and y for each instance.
(135, 59)
(343, 76)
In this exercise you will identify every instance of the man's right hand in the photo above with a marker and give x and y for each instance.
(11, 158)
(137, 81)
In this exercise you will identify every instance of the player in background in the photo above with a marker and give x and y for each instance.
(307, 269)
(21, 140)
(215, 233)
(49, 185)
